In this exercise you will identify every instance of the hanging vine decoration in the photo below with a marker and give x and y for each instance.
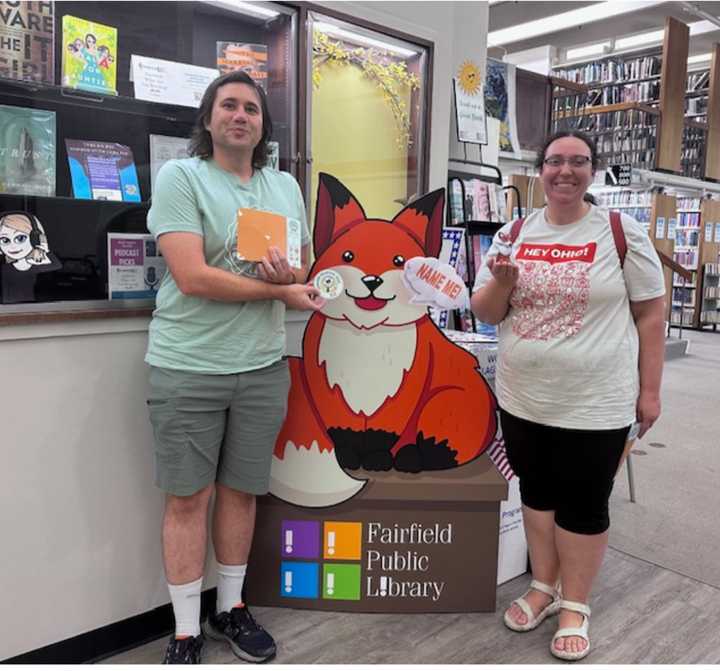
(391, 76)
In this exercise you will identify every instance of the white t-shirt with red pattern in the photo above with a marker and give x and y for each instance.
(568, 347)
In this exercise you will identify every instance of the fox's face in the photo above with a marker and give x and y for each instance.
(370, 254)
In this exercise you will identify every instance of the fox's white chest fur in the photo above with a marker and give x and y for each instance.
(367, 365)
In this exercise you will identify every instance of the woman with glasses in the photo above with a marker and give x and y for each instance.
(579, 296)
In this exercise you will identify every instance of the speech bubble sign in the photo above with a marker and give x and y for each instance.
(431, 282)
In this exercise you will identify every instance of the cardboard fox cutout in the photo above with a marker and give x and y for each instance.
(378, 386)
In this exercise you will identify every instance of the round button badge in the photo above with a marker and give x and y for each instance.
(329, 284)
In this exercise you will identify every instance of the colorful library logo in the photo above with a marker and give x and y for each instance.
(304, 540)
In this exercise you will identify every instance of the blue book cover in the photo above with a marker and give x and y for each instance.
(102, 171)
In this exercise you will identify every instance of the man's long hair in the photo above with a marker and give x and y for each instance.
(201, 142)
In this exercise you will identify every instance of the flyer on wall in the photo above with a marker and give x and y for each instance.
(135, 266)
(102, 171)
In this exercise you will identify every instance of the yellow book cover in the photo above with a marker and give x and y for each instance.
(89, 55)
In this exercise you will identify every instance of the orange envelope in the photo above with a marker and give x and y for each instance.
(258, 230)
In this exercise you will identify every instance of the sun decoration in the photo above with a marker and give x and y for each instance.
(469, 78)
(389, 74)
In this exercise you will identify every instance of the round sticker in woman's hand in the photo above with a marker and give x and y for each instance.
(329, 284)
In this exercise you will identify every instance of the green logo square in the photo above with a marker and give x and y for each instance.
(341, 581)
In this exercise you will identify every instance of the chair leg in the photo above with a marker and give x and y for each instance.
(631, 479)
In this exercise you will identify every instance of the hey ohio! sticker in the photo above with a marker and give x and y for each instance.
(557, 253)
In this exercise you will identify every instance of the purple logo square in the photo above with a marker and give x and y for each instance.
(300, 539)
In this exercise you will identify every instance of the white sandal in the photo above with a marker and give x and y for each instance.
(533, 620)
(581, 631)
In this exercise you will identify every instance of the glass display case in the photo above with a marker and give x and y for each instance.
(367, 112)
(94, 97)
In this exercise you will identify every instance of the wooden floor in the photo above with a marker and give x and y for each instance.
(641, 614)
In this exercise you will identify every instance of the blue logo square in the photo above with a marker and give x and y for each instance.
(299, 580)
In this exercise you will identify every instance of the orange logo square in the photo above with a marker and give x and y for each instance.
(342, 540)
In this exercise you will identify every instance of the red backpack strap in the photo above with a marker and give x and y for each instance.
(515, 230)
(618, 235)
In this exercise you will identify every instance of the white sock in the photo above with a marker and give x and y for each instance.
(229, 587)
(186, 606)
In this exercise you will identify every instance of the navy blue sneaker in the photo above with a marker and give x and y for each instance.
(184, 650)
(247, 639)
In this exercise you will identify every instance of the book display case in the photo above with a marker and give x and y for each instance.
(73, 207)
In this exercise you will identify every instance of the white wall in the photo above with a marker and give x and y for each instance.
(80, 518)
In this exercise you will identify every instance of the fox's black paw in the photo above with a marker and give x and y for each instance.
(377, 461)
(367, 449)
(425, 455)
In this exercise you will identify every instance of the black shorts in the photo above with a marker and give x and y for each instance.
(569, 471)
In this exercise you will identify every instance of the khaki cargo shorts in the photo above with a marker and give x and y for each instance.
(216, 428)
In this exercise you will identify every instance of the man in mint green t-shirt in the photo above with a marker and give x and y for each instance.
(218, 379)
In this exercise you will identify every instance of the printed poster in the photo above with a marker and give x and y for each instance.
(717, 231)
(27, 151)
(27, 41)
(102, 171)
(470, 105)
(708, 232)
(251, 58)
(164, 148)
(89, 55)
(500, 102)
(135, 266)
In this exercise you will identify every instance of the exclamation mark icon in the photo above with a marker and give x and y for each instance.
(383, 585)
(289, 541)
(288, 581)
(330, 583)
(331, 543)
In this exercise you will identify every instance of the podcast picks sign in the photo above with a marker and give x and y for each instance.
(135, 267)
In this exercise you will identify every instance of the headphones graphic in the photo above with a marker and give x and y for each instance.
(35, 230)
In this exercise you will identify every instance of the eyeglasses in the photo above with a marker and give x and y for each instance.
(577, 161)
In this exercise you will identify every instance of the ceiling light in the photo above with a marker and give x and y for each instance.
(640, 40)
(589, 50)
(697, 28)
(558, 22)
(331, 29)
(700, 58)
(249, 8)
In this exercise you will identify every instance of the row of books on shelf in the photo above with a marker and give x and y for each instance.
(635, 121)
(612, 70)
(89, 57)
(682, 315)
(698, 80)
(623, 141)
(686, 203)
(483, 201)
(98, 170)
(625, 198)
(640, 92)
(689, 219)
(696, 106)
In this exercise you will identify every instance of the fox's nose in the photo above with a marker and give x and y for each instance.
(372, 282)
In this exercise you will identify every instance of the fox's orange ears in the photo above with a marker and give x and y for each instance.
(338, 210)
(423, 220)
